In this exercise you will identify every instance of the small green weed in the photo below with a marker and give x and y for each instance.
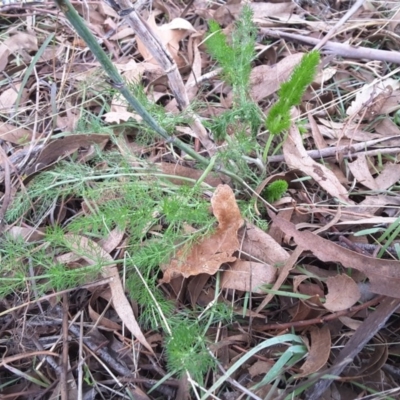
(154, 214)
(146, 205)
(291, 92)
(239, 125)
(275, 190)
(235, 57)
(187, 350)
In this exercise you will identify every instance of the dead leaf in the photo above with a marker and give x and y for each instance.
(196, 65)
(370, 99)
(318, 352)
(187, 172)
(14, 134)
(283, 274)
(259, 368)
(297, 157)
(123, 33)
(274, 231)
(281, 10)
(63, 147)
(388, 177)
(20, 43)
(370, 360)
(195, 289)
(112, 240)
(306, 310)
(360, 170)
(69, 121)
(191, 85)
(351, 323)
(119, 112)
(248, 276)
(100, 320)
(170, 35)
(343, 293)
(9, 97)
(384, 275)
(387, 127)
(303, 285)
(340, 130)
(208, 255)
(29, 234)
(93, 254)
(319, 140)
(121, 115)
(260, 246)
(324, 75)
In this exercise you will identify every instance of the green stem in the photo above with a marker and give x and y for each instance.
(206, 172)
(267, 147)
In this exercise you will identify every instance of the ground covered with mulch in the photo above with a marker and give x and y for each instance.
(199, 200)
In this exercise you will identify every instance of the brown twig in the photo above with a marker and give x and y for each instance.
(345, 151)
(7, 184)
(319, 320)
(64, 359)
(339, 49)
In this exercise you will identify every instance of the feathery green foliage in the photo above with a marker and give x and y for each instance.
(291, 92)
(154, 217)
(186, 350)
(147, 206)
(235, 56)
(218, 47)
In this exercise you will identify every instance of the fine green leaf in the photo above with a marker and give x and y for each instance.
(291, 92)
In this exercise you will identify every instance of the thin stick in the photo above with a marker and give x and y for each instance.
(65, 349)
(341, 22)
(7, 185)
(318, 320)
(345, 151)
(339, 49)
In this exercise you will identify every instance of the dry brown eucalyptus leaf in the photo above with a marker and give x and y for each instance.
(248, 276)
(20, 43)
(343, 293)
(384, 275)
(64, 147)
(261, 246)
(14, 134)
(297, 157)
(266, 80)
(360, 168)
(319, 350)
(208, 255)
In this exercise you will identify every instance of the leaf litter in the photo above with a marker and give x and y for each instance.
(322, 262)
